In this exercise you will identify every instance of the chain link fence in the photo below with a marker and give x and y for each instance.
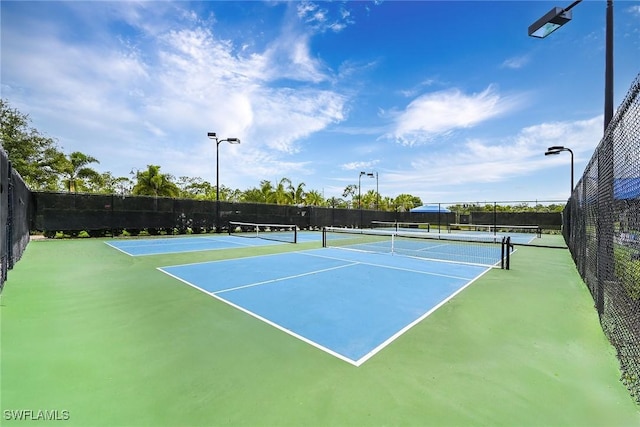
(602, 230)
(15, 215)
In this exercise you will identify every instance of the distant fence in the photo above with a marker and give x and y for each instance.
(111, 214)
(602, 230)
(15, 215)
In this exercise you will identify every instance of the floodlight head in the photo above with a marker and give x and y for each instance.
(550, 153)
(233, 140)
(556, 147)
(550, 22)
(370, 174)
(211, 135)
(362, 173)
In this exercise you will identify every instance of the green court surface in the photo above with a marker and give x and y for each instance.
(104, 339)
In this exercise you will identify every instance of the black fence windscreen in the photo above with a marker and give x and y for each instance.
(112, 214)
(602, 230)
(15, 214)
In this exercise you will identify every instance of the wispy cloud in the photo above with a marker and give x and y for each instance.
(439, 113)
(362, 166)
(321, 19)
(480, 161)
(516, 62)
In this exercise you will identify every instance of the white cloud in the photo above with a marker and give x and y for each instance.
(362, 166)
(439, 113)
(481, 161)
(516, 62)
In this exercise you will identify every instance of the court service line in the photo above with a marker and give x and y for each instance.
(395, 268)
(279, 279)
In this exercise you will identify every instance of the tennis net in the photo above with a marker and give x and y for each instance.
(401, 226)
(278, 232)
(489, 228)
(488, 251)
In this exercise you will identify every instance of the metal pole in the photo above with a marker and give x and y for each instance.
(571, 192)
(608, 71)
(605, 175)
(359, 199)
(377, 194)
(217, 186)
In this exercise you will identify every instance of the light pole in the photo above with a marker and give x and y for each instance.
(557, 149)
(212, 135)
(359, 186)
(370, 175)
(542, 28)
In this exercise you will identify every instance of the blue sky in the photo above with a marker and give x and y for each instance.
(449, 101)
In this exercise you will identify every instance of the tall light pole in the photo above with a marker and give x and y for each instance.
(377, 191)
(557, 149)
(544, 26)
(370, 175)
(359, 186)
(212, 135)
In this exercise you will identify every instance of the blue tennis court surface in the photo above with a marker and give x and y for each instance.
(348, 303)
(158, 246)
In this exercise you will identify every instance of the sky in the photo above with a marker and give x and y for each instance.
(449, 101)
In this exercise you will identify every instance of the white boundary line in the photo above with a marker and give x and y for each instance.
(207, 239)
(280, 279)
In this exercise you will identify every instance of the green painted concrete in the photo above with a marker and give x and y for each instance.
(110, 341)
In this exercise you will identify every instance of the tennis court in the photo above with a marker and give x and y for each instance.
(348, 303)
(167, 245)
(110, 339)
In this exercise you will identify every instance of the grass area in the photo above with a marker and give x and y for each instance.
(115, 342)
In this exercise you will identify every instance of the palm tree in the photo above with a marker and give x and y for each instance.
(152, 183)
(282, 197)
(405, 202)
(297, 194)
(75, 170)
(266, 191)
(314, 198)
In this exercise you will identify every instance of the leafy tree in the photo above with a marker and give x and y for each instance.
(336, 202)
(228, 195)
(195, 188)
(106, 183)
(351, 190)
(77, 174)
(34, 156)
(152, 183)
